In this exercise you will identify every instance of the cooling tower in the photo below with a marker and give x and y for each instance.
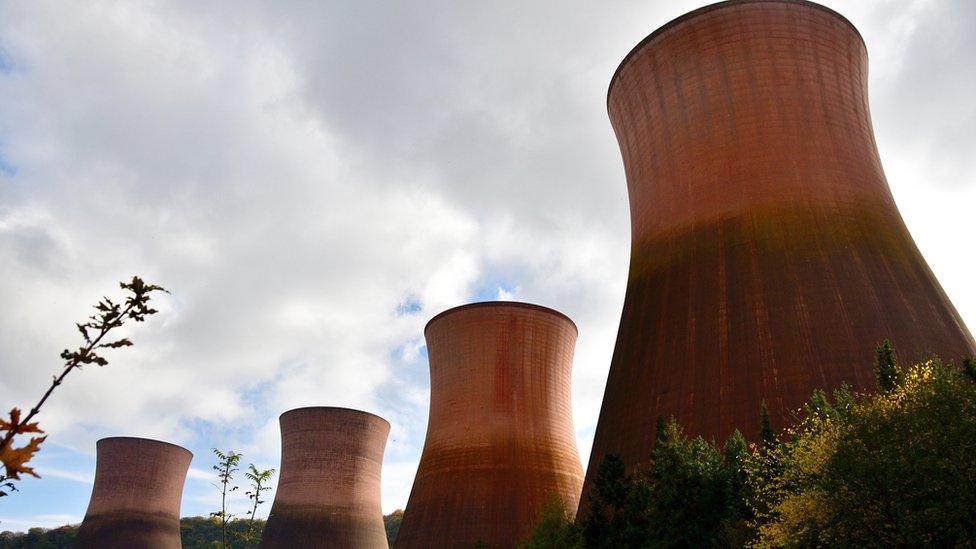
(768, 257)
(500, 440)
(135, 502)
(329, 487)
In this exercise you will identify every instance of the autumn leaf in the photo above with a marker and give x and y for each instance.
(16, 427)
(15, 459)
(108, 316)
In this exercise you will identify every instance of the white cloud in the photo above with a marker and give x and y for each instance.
(82, 478)
(22, 523)
(200, 474)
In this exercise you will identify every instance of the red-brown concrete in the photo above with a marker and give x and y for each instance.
(768, 258)
(135, 502)
(500, 440)
(329, 487)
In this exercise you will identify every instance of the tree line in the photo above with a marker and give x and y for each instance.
(895, 467)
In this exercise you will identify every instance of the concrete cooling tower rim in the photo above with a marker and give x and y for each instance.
(710, 8)
(337, 408)
(140, 439)
(514, 304)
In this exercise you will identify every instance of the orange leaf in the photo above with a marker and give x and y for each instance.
(15, 459)
(16, 426)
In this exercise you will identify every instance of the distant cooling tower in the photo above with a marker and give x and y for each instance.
(329, 489)
(768, 258)
(135, 502)
(500, 440)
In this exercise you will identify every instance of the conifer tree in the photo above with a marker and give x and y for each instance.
(969, 368)
(767, 436)
(608, 497)
(660, 431)
(885, 368)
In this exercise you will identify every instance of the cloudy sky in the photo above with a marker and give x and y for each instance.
(314, 180)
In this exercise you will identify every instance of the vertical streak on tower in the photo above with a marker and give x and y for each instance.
(329, 487)
(768, 257)
(500, 440)
(135, 502)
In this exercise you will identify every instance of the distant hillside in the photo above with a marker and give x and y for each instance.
(197, 533)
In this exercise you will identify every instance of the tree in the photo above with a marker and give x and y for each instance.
(969, 368)
(226, 467)
(695, 491)
(555, 529)
(258, 480)
(885, 369)
(690, 494)
(767, 436)
(736, 524)
(392, 524)
(605, 516)
(660, 431)
(895, 468)
(109, 316)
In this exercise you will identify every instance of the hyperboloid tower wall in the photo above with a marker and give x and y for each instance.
(768, 258)
(500, 440)
(135, 502)
(329, 486)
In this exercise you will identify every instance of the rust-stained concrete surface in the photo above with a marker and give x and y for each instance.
(768, 257)
(500, 440)
(329, 487)
(135, 502)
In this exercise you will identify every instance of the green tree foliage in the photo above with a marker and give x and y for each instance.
(767, 436)
(555, 529)
(40, 538)
(392, 524)
(896, 468)
(690, 494)
(694, 491)
(226, 467)
(606, 521)
(893, 469)
(205, 533)
(197, 533)
(259, 480)
(885, 369)
(969, 368)
(109, 316)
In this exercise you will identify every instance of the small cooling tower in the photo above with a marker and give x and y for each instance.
(135, 502)
(329, 487)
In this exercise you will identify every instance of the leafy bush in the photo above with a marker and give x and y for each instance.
(555, 530)
(893, 469)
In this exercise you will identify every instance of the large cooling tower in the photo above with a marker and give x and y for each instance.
(135, 502)
(329, 489)
(768, 258)
(500, 440)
